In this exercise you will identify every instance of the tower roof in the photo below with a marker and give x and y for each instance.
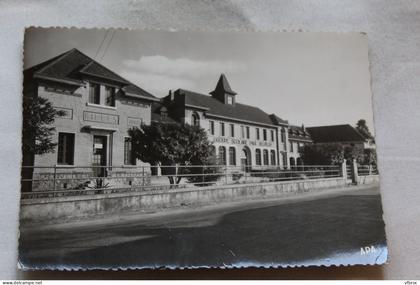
(223, 86)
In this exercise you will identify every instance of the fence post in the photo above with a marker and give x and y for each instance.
(370, 169)
(142, 175)
(202, 172)
(226, 175)
(55, 176)
(355, 174)
(344, 170)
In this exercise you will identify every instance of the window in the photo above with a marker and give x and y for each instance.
(273, 157)
(222, 129)
(257, 132)
(283, 135)
(213, 152)
(65, 153)
(222, 155)
(264, 134)
(258, 157)
(291, 146)
(195, 119)
(110, 96)
(272, 135)
(265, 156)
(232, 130)
(128, 152)
(211, 127)
(242, 132)
(247, 133)
(95, 93)
(284, 157)
(230, 100)
(232, 156)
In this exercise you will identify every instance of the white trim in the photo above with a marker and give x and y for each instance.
(100, 128)
(100, 106)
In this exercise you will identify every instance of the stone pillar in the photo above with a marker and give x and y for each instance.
(354, 172)
(344, 170)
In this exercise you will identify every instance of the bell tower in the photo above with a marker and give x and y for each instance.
(223, 92)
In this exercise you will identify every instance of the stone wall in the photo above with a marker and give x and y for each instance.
(62, 209)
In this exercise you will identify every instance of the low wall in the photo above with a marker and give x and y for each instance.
(61, 209)
(367, 179)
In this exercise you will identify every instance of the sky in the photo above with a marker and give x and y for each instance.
(306, 78)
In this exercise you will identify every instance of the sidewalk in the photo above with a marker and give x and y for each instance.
(204, 210)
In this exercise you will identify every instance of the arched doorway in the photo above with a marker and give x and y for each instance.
(246, 159)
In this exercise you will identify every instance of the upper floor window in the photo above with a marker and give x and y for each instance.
(291, 146)
(108, 99)
(195, 119)
(95, 93)
(242, 131)
(247, 133)
(222, 129)
(265, 134)
(110, 96)
(272, 135)
(211, 127)
(283, 135)
(232, 130)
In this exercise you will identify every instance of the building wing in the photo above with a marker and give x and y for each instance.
(336, 133)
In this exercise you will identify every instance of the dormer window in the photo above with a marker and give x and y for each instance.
(230, 99)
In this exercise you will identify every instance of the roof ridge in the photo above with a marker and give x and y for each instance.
(59, 57)
(325, 126)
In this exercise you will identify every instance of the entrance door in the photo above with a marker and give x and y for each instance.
(246, 159)
(99, 155)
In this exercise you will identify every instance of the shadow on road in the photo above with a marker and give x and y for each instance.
(276, 235)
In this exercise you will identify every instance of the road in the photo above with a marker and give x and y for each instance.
(327, 228)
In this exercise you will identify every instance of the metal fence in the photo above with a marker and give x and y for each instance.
(58, 181)
(367, 169)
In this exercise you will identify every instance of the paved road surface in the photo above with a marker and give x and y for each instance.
(317, 228)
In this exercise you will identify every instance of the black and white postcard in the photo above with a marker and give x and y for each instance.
(190, 149)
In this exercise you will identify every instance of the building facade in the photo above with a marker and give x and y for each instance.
(99, 107)
(242, 135)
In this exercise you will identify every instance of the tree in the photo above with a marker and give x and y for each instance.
(362, 128)
(38, 116)
(322, 154)
(171, 145)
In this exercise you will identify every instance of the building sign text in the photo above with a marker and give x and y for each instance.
(100, 117)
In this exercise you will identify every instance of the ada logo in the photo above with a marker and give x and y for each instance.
(367, 250)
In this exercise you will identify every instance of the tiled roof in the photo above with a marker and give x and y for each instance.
(215, 107)
(299, 133)
(277, 120)
(336, 133)
(73, 65)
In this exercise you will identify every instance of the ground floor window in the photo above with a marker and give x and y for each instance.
(265, 156)
(222, 155)
(65, 153)
(232, 156)
(273, 157)
(258, 157)
(129, 158)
